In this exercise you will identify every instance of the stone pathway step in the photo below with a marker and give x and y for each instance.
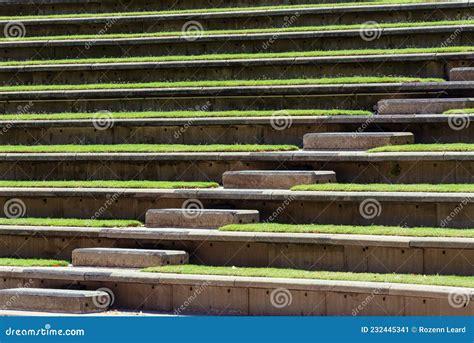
(461, 74)
(127, 258)
(422, 106)
(275, 179)
(54, 300)
(354, 141)
(194, 217)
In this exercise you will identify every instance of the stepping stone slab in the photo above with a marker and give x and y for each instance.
(461, 74)
(275, 179)
(422, 106)
(54, 300)
(199, 218)
(127, 258)
(355, 141)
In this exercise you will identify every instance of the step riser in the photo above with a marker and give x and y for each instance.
(191, 132)
(350, 141)
(461, 74)
(275, 180)
(240, 44)
(340, 210)
(422, 106)
(345, 258)
(434, 171)
(240, 299)
(295, 18)
(218, 71)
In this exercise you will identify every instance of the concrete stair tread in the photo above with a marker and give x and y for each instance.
(355, 140)
(461, 74)
(422, 105)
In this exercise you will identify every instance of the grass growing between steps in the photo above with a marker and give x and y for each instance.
(223, 83)
(291, 54)
(351, 230)
(182, 114)
(461, 111)
(386, 187)
(108, 184)
(449, 147)
(438, 280)
(277, 30)
(71, 222)
(210, 10)
(137, 148)
(32, 262)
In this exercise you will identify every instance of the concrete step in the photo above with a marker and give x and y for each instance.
(355, 140)
(461, 74)
(276, 97)
(275, 179)
(422, 106)
(127, 258)
(254, 19)
(54, 300)
(191, 215)
(421, 65)
(422, 37)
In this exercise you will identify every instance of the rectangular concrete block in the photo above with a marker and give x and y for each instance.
(275, 179)
(354, 140)
(127, 258)
(54, 300)
(461, 74)
(198, 218)
(422, 106)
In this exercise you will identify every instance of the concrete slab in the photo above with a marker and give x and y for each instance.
(461, 74)
(355, 140)
(127, 258)
(422, 106)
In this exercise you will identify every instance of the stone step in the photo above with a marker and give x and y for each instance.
(54, 300)
(355, 140)
(422, 106)
(254, 19)
(461, 74)
(275, 179)
(195, 217)
(255, 68)
(127, 258)
(405, 37)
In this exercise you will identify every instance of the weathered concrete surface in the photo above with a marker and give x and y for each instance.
(461, 74)
(274, 179)
(422, 106)
(355, 140)
(192, 215)
(127, 258)
(54, 300)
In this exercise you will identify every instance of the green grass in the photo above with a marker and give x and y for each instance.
(108, 184)
(32, 262)
(182, 114)
(70, 222)
(387, 187)
(437, 280)
(291, 54)
(453, 147)
(209, 10)
(97, 37)
(460, 111)
(223, 83)
(156, 148)
(351, 230)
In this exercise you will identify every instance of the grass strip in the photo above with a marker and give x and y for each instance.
(436, 280)
(107, 184)
(156, 148)
(32, 262)
(448, 147)
(181, 114)
(386, 187)
(70, 222)
(290, 54)
(210, 10)
(460, 111)
(351, 230)
(223, 83)
(375, 26)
